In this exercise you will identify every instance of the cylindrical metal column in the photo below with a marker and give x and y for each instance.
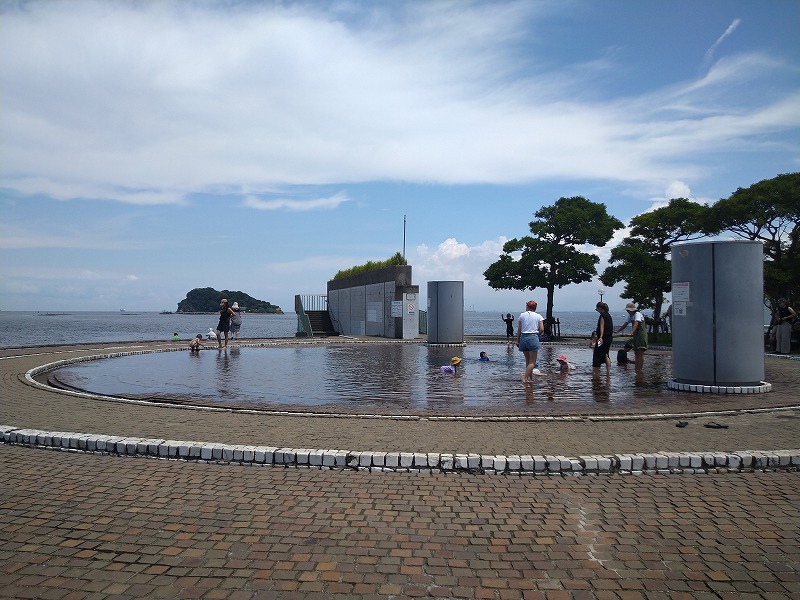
(445, 312)
(717, 308)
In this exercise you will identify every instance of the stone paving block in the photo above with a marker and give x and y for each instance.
(302, 456)
(340, 458)
(433, 460)
(392, 459)
(206, 452)
(328, 459)
(406, 459)
(364, 459)
(446, 462)
(526, 463)
(499, 463)
(314, 458)
(461, 462)
(421, 460)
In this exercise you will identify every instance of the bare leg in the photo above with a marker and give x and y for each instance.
(530, 359)
(639, 359)
(219, 339)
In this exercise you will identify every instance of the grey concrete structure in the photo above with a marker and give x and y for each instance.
(381, 303)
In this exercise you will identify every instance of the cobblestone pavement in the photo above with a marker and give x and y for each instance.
(76, 525)
(81, 526)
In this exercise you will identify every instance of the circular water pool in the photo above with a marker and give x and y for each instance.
(372, 378)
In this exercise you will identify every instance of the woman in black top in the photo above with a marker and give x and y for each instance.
(605, 335)
(224, 325)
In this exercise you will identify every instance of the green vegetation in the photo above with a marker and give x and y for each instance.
(394, 261)
(206, 300)
(551, 256)
(767, 211)
(642, 260)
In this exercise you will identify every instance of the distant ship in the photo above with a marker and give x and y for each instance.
(165, 312)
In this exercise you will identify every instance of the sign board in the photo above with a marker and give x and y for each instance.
(397, 308)
(680, 291)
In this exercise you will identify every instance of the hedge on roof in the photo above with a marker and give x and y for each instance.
(397, 259)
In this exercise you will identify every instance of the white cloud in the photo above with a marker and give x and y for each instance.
(728, 32)
(159, 100)
(296, 205)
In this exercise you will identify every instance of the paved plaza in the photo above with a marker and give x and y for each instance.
(100, 525)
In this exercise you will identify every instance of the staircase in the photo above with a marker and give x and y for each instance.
(321, 324)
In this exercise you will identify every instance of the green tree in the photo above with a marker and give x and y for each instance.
(767, 211)
(551, 257)
(642, 259)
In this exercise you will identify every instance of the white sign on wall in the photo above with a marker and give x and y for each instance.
(397, 308)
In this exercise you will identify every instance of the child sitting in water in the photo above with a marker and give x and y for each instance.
(196, 343)
(452, 367)
(564, 365)
(622, 355)
(484, 357)
(593, 340)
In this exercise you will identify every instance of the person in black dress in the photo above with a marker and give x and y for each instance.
(224, 325)
(605, 335)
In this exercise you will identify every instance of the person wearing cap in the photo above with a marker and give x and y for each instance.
(783, 327)
(564, 365)
(452, 367)
(638, 333)
(224, 325)
(236, 321)
(529, 326)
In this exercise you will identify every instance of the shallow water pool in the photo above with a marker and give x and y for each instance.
(371, 378)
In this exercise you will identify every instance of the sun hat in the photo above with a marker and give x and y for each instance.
(455, 360)
(630, 306)
(235, 305)
(562, 358)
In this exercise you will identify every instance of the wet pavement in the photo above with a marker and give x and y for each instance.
(82, 525)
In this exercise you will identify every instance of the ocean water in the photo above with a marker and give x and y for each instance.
(19, 328)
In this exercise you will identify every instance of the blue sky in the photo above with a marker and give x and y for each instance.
(148, 148)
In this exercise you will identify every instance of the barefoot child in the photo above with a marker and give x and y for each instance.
(564, 365)
(196, 343)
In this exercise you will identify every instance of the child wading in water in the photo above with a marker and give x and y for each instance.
(196, 343)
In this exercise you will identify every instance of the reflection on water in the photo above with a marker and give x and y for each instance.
(376, 377)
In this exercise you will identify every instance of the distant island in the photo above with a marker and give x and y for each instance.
(206, 300)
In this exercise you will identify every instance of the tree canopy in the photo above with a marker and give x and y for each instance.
(767, 211)
(205, 300)
(551, 257)
(642, 259)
